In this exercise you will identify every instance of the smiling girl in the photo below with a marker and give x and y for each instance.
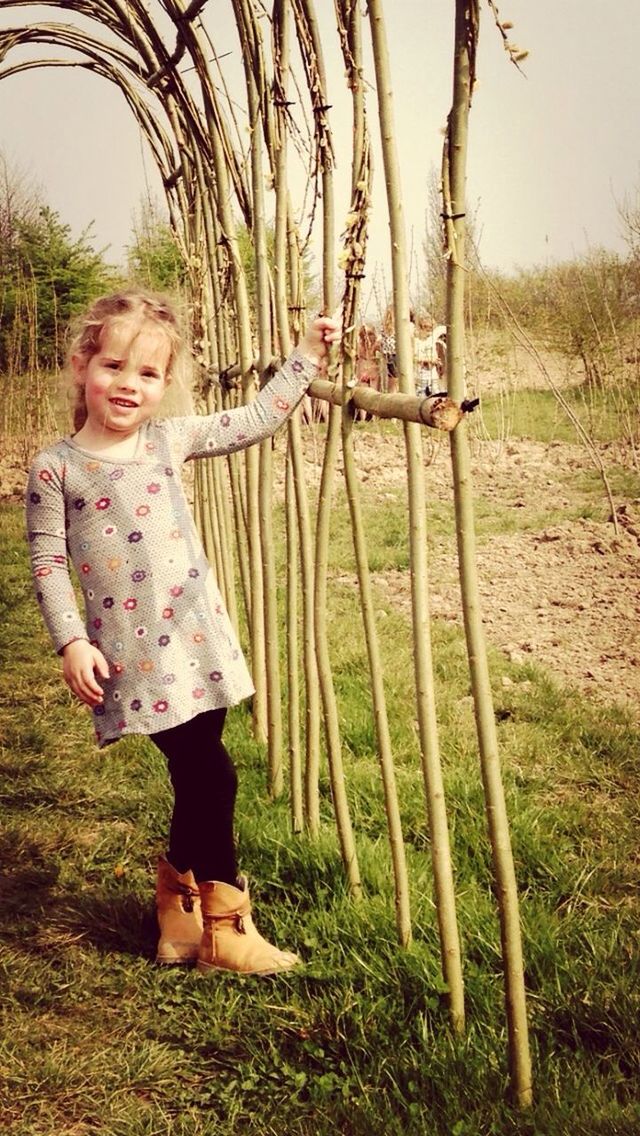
(155, 652)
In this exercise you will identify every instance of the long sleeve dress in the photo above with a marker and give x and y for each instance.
(151, 602)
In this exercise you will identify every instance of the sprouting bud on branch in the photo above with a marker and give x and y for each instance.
(516, 54)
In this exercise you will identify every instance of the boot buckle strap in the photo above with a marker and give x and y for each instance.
(186, 897)
(235, 918)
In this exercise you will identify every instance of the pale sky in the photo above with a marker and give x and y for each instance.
(552, 152)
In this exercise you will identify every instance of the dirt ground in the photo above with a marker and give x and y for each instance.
(564, 594)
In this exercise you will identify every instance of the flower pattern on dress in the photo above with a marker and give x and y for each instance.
(163, 559)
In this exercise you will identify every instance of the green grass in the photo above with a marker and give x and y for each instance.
(537, 414)
(96, 1039)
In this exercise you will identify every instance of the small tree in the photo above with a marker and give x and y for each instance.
(47, 277)
(154, 258)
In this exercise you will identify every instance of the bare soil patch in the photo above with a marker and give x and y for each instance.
(564, 593)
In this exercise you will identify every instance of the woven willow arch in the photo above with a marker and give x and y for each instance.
(209, 181)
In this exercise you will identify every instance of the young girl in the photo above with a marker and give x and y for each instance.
(155, 652)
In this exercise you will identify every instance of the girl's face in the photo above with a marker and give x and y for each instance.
(126, 378)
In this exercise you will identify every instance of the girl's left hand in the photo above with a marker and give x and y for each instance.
(318, 338)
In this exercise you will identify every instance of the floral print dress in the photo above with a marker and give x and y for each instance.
(152, 605)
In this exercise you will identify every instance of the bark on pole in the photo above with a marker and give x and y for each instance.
(440, 847)
(310, 45)
(279, 93)
(466, 30)
(354, 249)
(252, 57)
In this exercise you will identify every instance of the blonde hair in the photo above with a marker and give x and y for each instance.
(87, 334)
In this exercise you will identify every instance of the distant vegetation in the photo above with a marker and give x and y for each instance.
(586, 310)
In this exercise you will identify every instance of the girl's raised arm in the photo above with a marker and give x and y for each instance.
(225, 432)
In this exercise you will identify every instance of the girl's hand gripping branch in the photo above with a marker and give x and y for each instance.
(318, 338)
(80, 661)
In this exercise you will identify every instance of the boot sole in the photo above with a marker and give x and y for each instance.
(209, 967)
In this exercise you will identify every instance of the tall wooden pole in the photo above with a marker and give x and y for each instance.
(434, 790)
(454, 167)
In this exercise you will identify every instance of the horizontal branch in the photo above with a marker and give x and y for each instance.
(436, 410)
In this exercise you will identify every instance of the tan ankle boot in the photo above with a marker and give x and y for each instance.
(230, 940)
(179, 914)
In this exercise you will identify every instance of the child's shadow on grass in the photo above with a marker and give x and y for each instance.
(122, 924)
(39, 916)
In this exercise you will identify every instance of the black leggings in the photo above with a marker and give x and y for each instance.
(204, 784)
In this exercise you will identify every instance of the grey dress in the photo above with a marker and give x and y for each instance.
(151, 602)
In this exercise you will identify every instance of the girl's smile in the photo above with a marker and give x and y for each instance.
(124, 381)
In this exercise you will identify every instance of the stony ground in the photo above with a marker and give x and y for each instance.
(556, 587)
